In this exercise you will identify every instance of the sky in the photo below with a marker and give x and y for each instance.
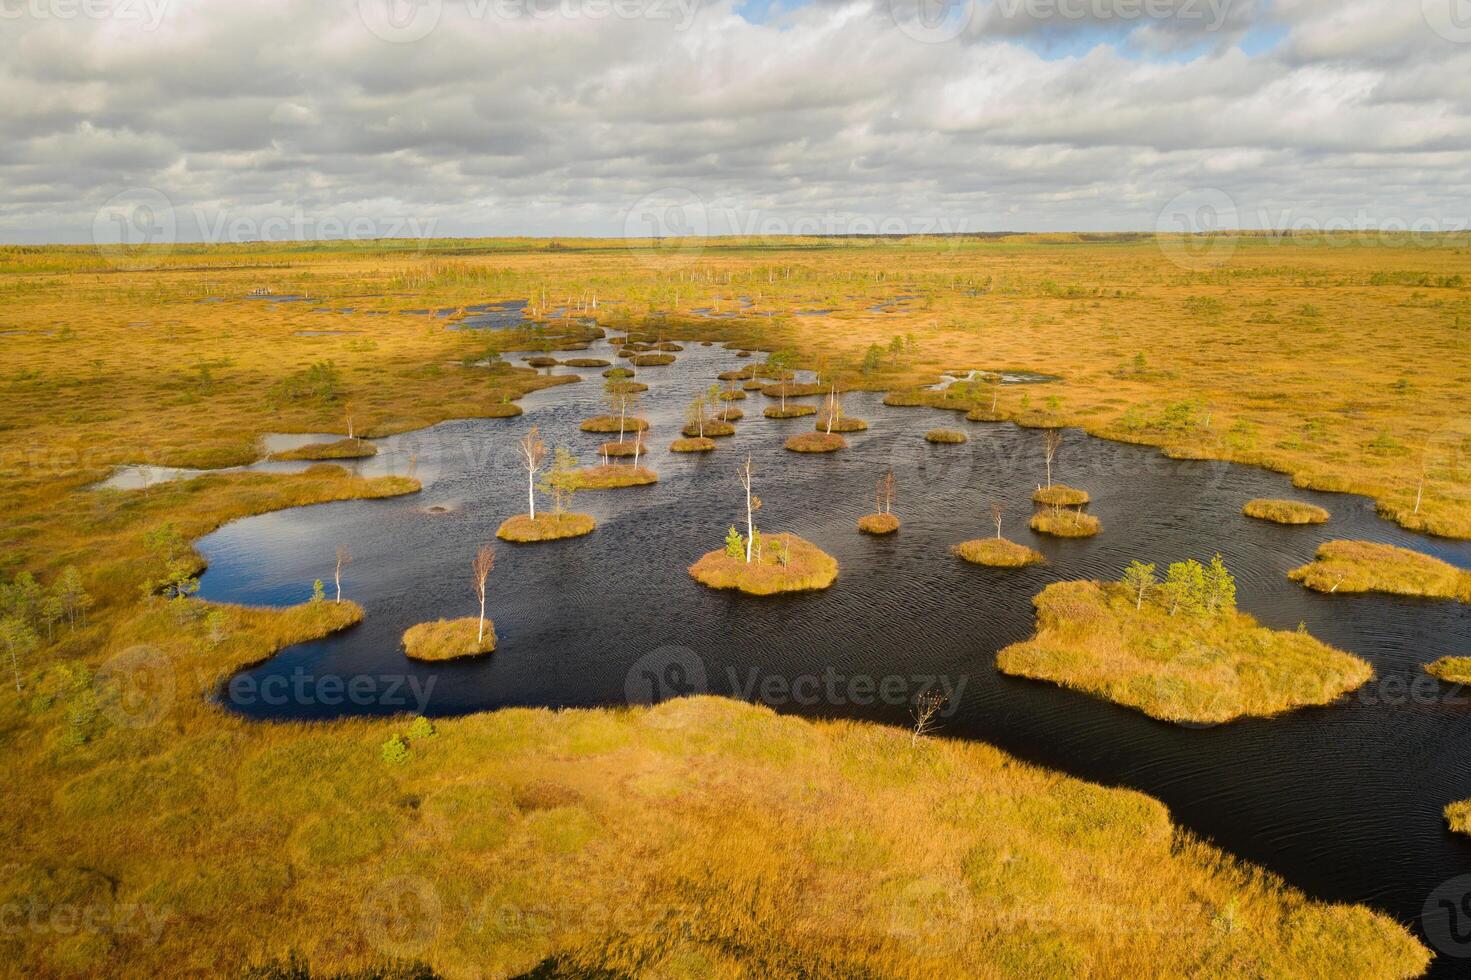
(230, 120)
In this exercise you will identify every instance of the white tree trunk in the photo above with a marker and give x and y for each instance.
(531, 491)
(480, 637)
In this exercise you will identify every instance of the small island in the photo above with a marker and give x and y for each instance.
(792, 411)
(1061, 495)
(946, 437)
(449, 639)
(997, 553)
(692, 444)
(586, 362)
(1177, 650)
(614, 423)
(762, 564)
(652, 360)
(1061, 522)
(1285, 511)
(612, 476)
(709, 429)
(778, 563)
(816, 442)
(1452, 670)
(878, 524)
(524, 529)
(1366, 566)
(348, 448)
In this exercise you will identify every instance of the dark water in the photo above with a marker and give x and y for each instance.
(1345, 801)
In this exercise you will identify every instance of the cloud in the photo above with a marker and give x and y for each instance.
(559, 116)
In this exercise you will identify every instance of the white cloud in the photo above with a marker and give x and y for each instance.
(557, 117)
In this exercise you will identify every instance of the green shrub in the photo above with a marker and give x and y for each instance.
(396, 749)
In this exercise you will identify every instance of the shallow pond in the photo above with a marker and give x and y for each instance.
(1344, 801)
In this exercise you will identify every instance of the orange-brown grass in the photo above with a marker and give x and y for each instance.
(997, 553)
(613, 476)
(1452, 670)
(628, 447)
(1200, 669)
(653, 360)
(611, 423)
(545, 527)
(816, 442)
(1285, 511)
(845, 423)
(692, 444)
(739, 374)
(733, 395)
(792, 411)
(341, 449)
(1064, 523)
(632, 387)
(786, 563)
(946, 436)
(793, 389)
(712, 429)
(1060, 495)
(541, 361)
(1364, 566)
(729, 413)
(449, 639)
(586, 362)
(878, 523)
(1458, 816)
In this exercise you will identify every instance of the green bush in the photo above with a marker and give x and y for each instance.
(396, 749)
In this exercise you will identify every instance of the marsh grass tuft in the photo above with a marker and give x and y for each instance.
(997, 553)
(816, 442)
(692, 444)
(878, 524)
(545, 527)
(341, 449)
(1061, 495)
(449, 639)
(1063, 523)
(946, 436)
(612, 477)
(611, 423)
(786, 563)
(1199, 669)
(1366, 566)
(793, 410)
(1285, 511)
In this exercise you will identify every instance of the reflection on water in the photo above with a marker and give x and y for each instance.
(1344, 801)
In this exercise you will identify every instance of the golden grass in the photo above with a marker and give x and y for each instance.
(341, 449)
(816, 442)
(712, 429)
(123, 361)
(449, 639)
(653, 360)
(613, 476)
(727, 414)
(1184, 668)
(793, 389)
(545, 527)
(1458, 816)
(1452, 670)
(1063, 523)
(846, 423)
(626, 448)
(946, 436)
(997, 553)
(878, 524)
(586, 362)
(1364, 566)
(611, 423)
(1060, 495)
(787, 563)
(792, 411)
(692, 444)
(1285, 511)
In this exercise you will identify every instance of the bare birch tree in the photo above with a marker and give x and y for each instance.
(533, 454)
(480, 567)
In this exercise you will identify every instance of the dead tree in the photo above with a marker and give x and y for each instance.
(926, 707)
(344, 557)
(885, 493)
(1051, 442)
(998, 510)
